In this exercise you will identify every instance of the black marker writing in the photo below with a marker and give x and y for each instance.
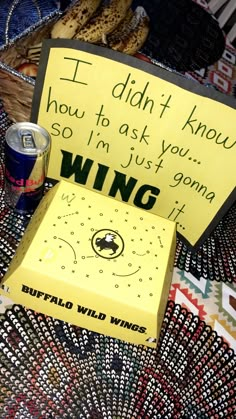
(76, 70)
(196, 127)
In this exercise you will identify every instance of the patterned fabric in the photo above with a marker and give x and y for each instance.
(51, 369)
(220, 75)
(216, 258)
(213, 302)
(22, 16)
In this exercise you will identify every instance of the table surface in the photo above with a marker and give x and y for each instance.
(198, 293)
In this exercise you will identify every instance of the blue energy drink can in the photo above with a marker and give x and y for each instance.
(27, 150)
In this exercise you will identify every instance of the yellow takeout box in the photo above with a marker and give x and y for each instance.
(95, 262)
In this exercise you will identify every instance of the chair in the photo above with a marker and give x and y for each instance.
(224, 14)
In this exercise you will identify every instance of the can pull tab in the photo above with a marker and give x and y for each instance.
(27, 139)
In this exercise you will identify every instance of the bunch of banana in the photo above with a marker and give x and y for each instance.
(111, 23)
(107, 17)
(74, 19)
(131, 33)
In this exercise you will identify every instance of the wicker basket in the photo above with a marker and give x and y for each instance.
(16, 88)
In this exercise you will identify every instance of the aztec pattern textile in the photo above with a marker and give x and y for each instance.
(220, 75)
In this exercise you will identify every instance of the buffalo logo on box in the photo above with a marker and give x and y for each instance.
(107, 243)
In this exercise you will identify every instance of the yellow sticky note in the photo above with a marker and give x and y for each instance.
(139, 134)
(95, 262)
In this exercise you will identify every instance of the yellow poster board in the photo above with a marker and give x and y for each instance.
(138, 133)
